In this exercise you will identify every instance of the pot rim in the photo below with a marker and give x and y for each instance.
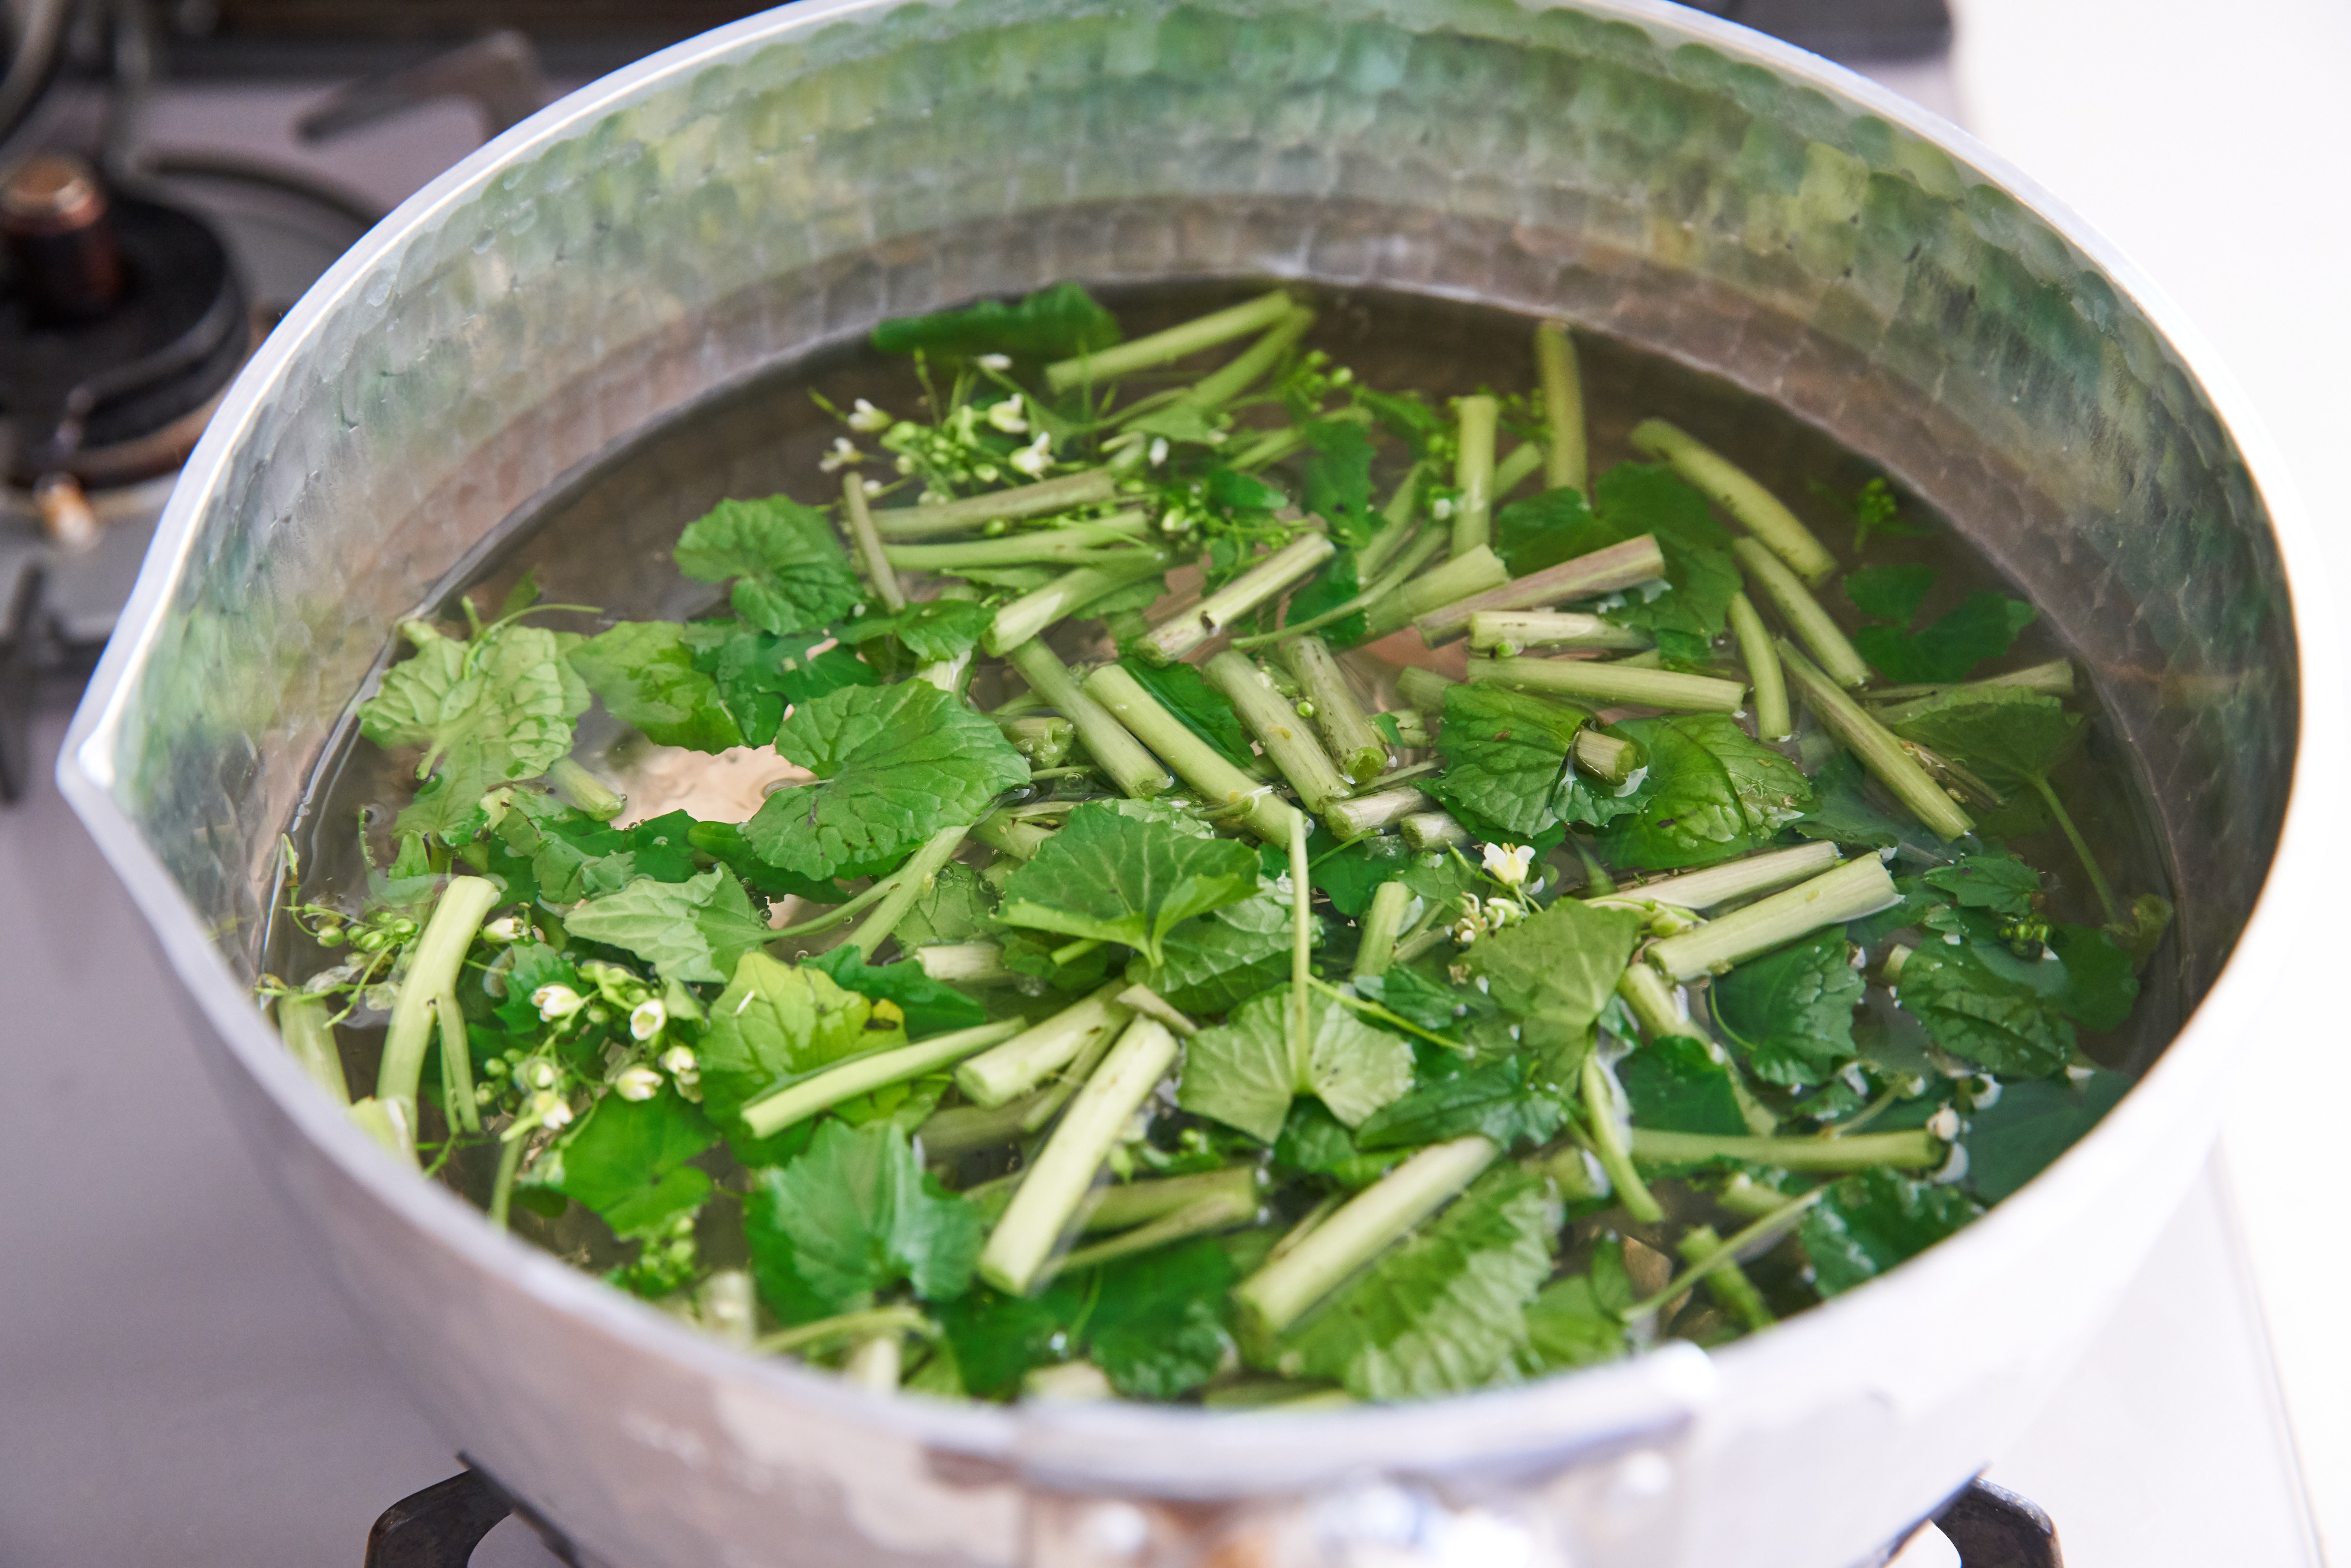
(1558, 1418)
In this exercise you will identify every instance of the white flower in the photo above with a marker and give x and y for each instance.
(1441, 508)
(1036, 458)
(1508, 864)
(866, 419)
(994, 362)
(555, 1002)
(1944, 1124)
(680, 1063)
(540, 1074)
(1006, 416)
(637, 1083)
(505, 928)
(1501, 912)
(550, 1110)
(844, 452)
(1158, 450)
(874, 487)
(646, 1018)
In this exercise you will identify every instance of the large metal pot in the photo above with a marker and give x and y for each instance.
(782, 183)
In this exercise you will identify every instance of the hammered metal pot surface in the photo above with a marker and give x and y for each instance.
(781, 185)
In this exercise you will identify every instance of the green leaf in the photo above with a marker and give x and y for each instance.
(1126, 879)
(852, 1215)
(929, 1007)
(1567, 1327)
(931, 633)
(954, 907)
(1889, 592)
(1999, 882)
(644, 672)
(1409, 417)
(1244, 1073)
(1493, 1099)
(1443, 1311)
(1338, 480)
(2007, 734)
(1336, 583)
(1846, 812)
(1791, 1011)
(790, 574)
(1675, 1085)
(1982, 626)
(1629, 500)
(626, 1160)
(1419, 1000)
(1871, 1221)
(1506, 755)
(773, 1025)
(1212, 964)
(1543, 530)
(691, 930)
(1315, 1142)
(2021, 1135)
(1997, 1023)
(1555, 972)
(1158, 1326)
(1055, 323)
(1197, 705)
(998, 1339)
(490, 712)
(758, 675)
(1712, 792)
(894, 765)
(2101, 984)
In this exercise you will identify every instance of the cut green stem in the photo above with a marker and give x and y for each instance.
(1130, 766)
(1190, 629)
(1352, 819)
(1289, 740)
(1043, 739)
(1302, 951)
(1222, 787)
(1426, 830)
(1019, 837)
(1375, 947)
(1609, 684)
(1803, 613)
(501, 1186)
(1219, 1211)
(844, 1329)
(1473, 473)
(432, 969)
(1396, 520)
(1067, 594)
(1914, 1150)
(588, 793)
(1733, 489)
(1463, 578)
(1772, 719)
(965, 964)
(1508, 631)
(1280, 1293)
(1516, 469)
(796, 1103)
(1174, 343)
(1856, 888)
(1879, 751)
(1736, 879)
(2053, 679)
(2041, 787)
(1360, 751)
(1026, 1058)
(1067, 493)
(1379, 593)
(1762, 1231)
(847, 910)
(303, 1022)
(865, 540)
(1609, 570)
(960, 1130)
(456, 1065)
(1244, 369)
(1096, 542)
(902, 887)
(1726, 1281)
(1651, 1002)
(1056, 1184)
(1600, 1111)
(1565, 460)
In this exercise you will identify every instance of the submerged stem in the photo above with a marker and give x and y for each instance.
(1765, 678)
(772, 1114)
(1600, 1109)
(1174, 639)
(2041, 786)
(1131, 768)
(1856, 888)
(1562, 390)
(1174, 343)
(1736, 491)
(904, 886)
(1914, 1150)
(872, 556)
(439, 953)
(1877, 748)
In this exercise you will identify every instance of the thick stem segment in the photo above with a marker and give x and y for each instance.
(1221, 786)
(796, 1103)
(585, 791)
(1803, 613)
(1515, 469)
(1762, 1233)
(1879, 751)
(875, 1364)
(1463, 578)
(1426, 830)
(1733, 489)
(1239, 373)
(847, 1327)
(1302, 951)
(1174, 343)
(1370, 813)
(1131, 768)
(1609, 684)
(1856, 888)
(965, 964)
(1273, 720)
(1188, 630)
(302, 1023)
(1124, 1205)
(1102, 542)
(1652, 1002)
(1473, 473)
(2053, 679)
(1046, 496)
(1737, 879)
(906, 884)
(1726, 1281)
(456, 1065)
(1604, 756)
(1376, 949)
(1019, 837)
(960, 1129)
(1067, 594)
(1508, 631)
(1600, 1110)
(433, 969)
(1043, 740)
(1029, 1058)
(1566, 459)
(1609, 570)
(865, 539)
(1915, 1150)
(1050, 1195)
(1423, 689)
(1773, 720)
(1280, 1293)
(1217, 1211)
(1360, 751)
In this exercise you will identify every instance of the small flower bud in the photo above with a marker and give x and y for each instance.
(994, 362)
(1006, 416)
(505, 928)
(866, 419)
(1036, 458)
(556, 1001)
(844, 452)
(541, 1075)
(681, 1064)
(328, 935)
(647, 1018)
(550, 1110)
(637, 1083)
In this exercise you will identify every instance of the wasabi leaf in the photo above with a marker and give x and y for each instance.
(1158, 1327)
(774, 1024)
(1979, 1016)
(1055, 323)
(626, 1160)
(1675, 1085)
(893, 764)
(691, 930)
(2021, 1135)
(2101, 985)
(1212, 964)
(1244, 1074)
(1555, 972)
(1889, 592)
(1873, 1220)
(1568, 1327)
(1984, 626)
(645, 673)
(493, 711)
(930, 632)
(852, 1215)
(789, 572)
(1315, 1142)
(759, 676)
(929, 1007)
(1791, 1011)
(1338, 483)
(1629, 500)
(1442, 1310)
(2000, 884)
(1126, 879)
(2007, 734)
(954, 908)
(1493, 1099)
(1340, 580)
(1506, 764)
(1712, 792)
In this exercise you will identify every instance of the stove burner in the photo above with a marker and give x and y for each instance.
(1988, 1526)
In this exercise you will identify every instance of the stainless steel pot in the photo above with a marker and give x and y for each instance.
(782, 183)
